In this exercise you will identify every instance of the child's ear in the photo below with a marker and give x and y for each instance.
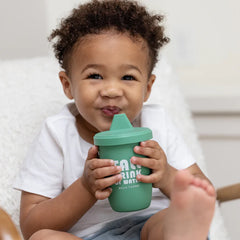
(150, 82)
(66, 84)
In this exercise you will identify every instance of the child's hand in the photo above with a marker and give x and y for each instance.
(100, 174)
(156, 160)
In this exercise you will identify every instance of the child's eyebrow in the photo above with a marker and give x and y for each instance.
(92, 66)
(123, 66)
(130, 66)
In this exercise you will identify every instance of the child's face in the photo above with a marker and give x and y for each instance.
(108, 75)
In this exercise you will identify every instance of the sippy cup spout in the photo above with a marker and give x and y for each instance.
(120, 121)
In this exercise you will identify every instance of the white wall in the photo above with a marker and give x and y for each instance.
(205, 35)
(23, 29)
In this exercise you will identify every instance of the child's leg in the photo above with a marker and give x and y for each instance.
(47, 234)
(189, 214)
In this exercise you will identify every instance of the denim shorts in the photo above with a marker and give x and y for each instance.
(125, 228)
(128, 228)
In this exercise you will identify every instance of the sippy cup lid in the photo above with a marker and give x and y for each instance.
(122, 132)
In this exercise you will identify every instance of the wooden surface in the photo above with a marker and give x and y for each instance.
(8, 230)
(228, 193)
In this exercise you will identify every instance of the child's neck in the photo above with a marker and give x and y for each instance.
(83, 130)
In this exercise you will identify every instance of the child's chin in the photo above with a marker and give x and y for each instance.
(104, 128)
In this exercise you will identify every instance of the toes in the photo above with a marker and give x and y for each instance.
(211, 191)
(197, 182)
(202, 183)
(205, 185)
(183, 179)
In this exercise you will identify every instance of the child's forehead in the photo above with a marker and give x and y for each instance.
(109, 35)
(110, 42)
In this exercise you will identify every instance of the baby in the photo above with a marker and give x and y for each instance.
(107, 50)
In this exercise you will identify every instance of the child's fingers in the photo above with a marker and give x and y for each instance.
(152, 178)
(101, 184)
(103, 194)
(92, 152)
(106, 171)
(149, 143)
(94, 162)
(150, 150)
(100, 163)
(146, 162)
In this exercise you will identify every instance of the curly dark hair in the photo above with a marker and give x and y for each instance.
(124, 16)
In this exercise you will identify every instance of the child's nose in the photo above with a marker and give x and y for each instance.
(111, 90)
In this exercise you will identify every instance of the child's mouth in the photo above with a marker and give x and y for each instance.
(110, 111)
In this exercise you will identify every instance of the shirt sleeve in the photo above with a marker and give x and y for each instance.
(177, 151)
(42, 168)
(167, 135)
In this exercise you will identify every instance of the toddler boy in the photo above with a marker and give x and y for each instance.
(107, 50)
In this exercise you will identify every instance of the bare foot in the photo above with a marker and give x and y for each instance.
(191, 209)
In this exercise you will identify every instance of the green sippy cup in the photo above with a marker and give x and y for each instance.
(117, 144)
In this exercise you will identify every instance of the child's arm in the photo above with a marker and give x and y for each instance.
(62, 212)
(162, 173)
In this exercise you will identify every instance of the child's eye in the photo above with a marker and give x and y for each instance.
(128, 77)
(94, 76)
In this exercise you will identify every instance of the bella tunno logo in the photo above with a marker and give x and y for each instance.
(129, 172)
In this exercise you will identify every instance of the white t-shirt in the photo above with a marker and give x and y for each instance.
(56, 159)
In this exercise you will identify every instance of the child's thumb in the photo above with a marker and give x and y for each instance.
(92, 152)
